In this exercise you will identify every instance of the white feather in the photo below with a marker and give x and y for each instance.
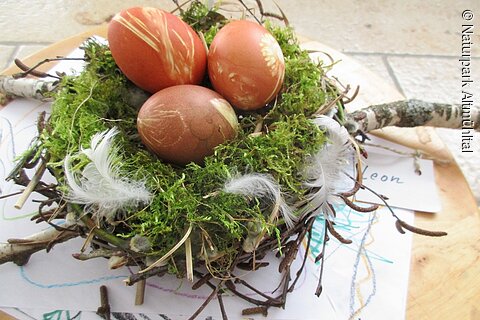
(262, 186)
(100, 185)
(324, 170)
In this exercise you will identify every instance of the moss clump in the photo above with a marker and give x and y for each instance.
(203, 20)
(97, 99)
(88, 103)
(280, 153)
(302, 91)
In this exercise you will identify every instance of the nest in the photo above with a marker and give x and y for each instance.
(194, 226)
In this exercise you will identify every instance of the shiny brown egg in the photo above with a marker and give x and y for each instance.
(246, 64)
(184, 123)
(156, 49)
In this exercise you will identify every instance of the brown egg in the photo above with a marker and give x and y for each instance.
(184, 123)
(246, 64)
(156, 49)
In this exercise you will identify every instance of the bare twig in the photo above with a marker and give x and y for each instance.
(263, 310)
(319, 289)
(335, 233)
(400, 224)
(222, 306)
(272, 303)
(98, 253)
(157, 271)
(207, 301)
(417, 230)
(307, 249)
(203, 279)
(104, 309)
(250, 11)
(358, 208)
(30, 71)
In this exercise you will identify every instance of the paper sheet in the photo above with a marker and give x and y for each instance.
(369, 275)
(393, 175)
(374, 278)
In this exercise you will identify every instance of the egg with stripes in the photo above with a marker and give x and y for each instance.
(156, 49)
(185, 123)
(246, 64)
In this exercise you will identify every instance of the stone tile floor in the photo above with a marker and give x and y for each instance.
(414, 45)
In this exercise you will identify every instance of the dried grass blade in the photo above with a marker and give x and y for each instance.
(189, 259)
(169, 253)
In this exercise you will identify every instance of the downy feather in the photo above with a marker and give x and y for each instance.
(325, 170)
(262, 186)
(100, 186)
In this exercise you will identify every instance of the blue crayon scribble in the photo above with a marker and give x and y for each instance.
(350, 224)
(353, 286)
(9, 135)
(25, 276)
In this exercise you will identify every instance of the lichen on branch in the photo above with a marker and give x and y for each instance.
(413, 113)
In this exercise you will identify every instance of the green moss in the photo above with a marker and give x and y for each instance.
(97, 99)
(204, 21)
(91, 102)
(281, 152)
(302, 91)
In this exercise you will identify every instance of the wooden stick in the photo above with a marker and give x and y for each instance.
(31, 185)
(140, 294)
(104, 309)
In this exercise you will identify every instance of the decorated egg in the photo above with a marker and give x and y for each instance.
(156, 49)
(184, 123)
(246, 64)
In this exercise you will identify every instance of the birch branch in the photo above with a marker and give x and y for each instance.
(42, 89)
(20, 250)
(413, 113)
(31, 88)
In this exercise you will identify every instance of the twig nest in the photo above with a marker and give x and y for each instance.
(156, 49)
(184, 123)
(246, 64)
